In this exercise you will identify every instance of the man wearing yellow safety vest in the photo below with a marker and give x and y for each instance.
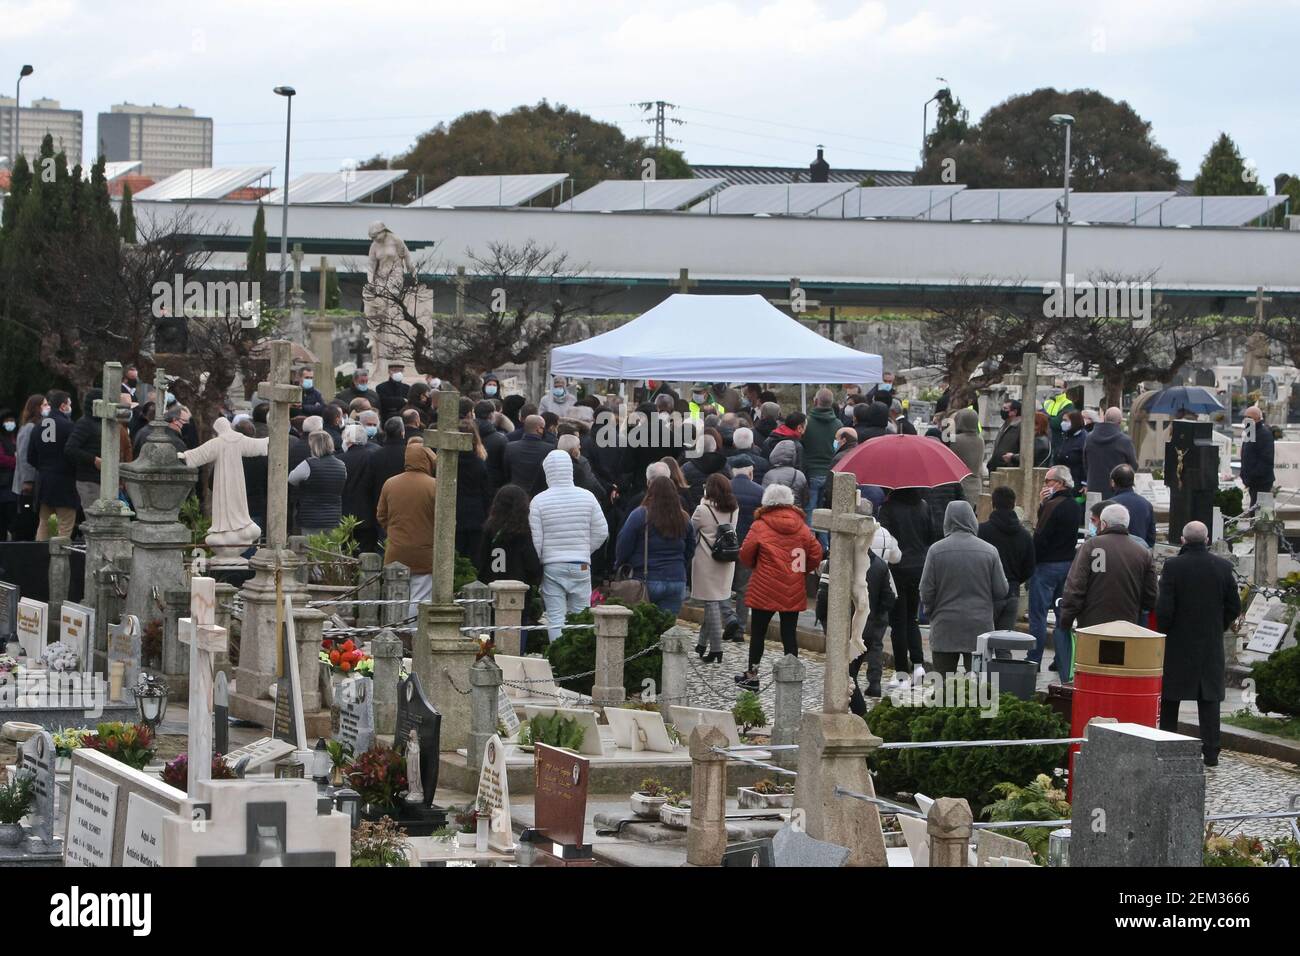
(1056, 408)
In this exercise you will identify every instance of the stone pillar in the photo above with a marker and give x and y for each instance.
(396, 587)
(675, 644)
(833, 750)
(322, 346)
(484, 686)
(508, 612)
(175, 655)
(158, 483)
(706, 834)
(302, 571)
(372, 566)
(789, 673)
(225, 619)
(308, 623)
(443, 665)
(60, 576)
(106, 534)
(1265, 532)
(386, 649)
(949, 826)
(611, 635)
(108, 609)
(1138, 798)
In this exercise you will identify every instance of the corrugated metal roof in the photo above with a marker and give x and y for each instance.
(887, 202)
(630, 195)
(491, 190)
(759, 175)
(1210, 210)
(214, 183)
(113, 170)
(349, 185)
(790, 199)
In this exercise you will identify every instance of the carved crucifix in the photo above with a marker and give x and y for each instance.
(448, 442)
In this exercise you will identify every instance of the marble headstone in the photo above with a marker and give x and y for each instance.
(92, 819)
(125, 646)
(9, 595)
(77, 630)
(792, 847)
(356, 714)
(32, 626)
(494, 790)
(414, 712)
(38, 757)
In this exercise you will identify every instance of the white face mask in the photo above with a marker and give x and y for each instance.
(45, 409)
(363, 386)
(308, 383)
(396, 377)
(10, 426)
(1065, 427)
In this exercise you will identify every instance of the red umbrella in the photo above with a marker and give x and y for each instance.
(904, 461)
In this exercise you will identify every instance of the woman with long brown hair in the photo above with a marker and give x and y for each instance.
(679, 481)
(711, 576)
(23, 526)
(657, 541)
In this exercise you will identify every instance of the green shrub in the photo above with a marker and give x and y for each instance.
(748, 711)
(1228, 500)
(463, 574)
(1041, 800)
(554, 731)
(574, 651)
(1277, 681)
(970, 772)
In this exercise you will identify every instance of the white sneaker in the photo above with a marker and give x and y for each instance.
(900, 681)
(918, 674)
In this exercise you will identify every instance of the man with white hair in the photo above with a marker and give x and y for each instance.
(369, 420)
(1107, 447)
(1113, 578)
(1056, 534)
(1256, 454)
(742, 439)
(1198, 601)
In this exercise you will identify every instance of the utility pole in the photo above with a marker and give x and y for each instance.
(660, 119)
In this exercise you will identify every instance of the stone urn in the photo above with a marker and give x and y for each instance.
(157, 480)
(11, 834)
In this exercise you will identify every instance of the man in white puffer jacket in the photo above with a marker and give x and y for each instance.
(567, 526)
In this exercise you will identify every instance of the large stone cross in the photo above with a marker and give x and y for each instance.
(297, 267)
(846, 526)
(1259, 300)
(683, 280)
(111, 412)
(206, 640)
(461, 283)
(282, 395)
(798, 301)
(448, 442)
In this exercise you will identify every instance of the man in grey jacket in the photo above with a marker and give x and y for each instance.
(961, 584)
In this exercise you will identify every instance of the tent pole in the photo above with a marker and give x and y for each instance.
(803, 396)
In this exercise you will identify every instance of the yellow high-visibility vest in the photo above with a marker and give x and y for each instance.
(1055, 406)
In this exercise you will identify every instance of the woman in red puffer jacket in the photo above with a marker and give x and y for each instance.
(781, 549)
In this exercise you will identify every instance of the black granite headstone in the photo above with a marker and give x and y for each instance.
(1191, 474)
(750, 853)
(220, 714)
(414, 712)
(9, 595)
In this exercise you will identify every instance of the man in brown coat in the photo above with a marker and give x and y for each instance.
(1113, 578)
(405, 512)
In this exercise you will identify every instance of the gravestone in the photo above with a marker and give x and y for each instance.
(751, 853)
(257, 823)
(1286, 465)
(560, 804)
(1205, 378)
(92, 819)
(125, 647)
(260, 753)
(506, 713)
(356, 714)
(9, 596)
(206, 639)
(1191, 474)
(220, 713)
(37, 756)
(638, 730)
(77, 630)
(990, 844)
(794, 847)
(33, 617)
(288, 723)
(494, 791)
(415, 713)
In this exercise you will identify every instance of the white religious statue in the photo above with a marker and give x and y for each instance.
(389, 265)
(415, 787)
(861, 601)
(233, 529)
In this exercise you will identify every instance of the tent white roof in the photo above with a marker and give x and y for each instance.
(715, 338)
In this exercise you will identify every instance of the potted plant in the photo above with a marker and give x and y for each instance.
(176, 771)
(676, 811)
(16, 798)
(466, 821)
(379, 843)
(766, 795)
(133, 744)
(748, 712)
(554, 731)
(649, 797)
(379, 776)
(340, 756)
(332, 556)
(65, 741)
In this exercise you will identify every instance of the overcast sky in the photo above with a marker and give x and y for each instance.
(756, 82)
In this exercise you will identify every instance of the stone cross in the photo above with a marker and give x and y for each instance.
(461, 282)
(1259, 300)
(324, 281)
(448, 442)
(798, 304)
(683, 280)
(282, 395)
(297, 266)
(160, 380)
(845, 526)
(108, 409)
(206, 640)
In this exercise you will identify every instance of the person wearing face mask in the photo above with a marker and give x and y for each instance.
(130, 379)
(1073, 437)
(1055, 537)
(392, 393)
(25, 474)
(883, 391)
(360, 388)
(559, 401)
(1006, 446)
(492, 387)
(313, 402)
(8, 465)
(57, 487)
(369, 420)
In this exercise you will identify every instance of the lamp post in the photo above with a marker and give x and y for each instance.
(288, 93)
(942, 94)
(1066, 120)
(18, 89)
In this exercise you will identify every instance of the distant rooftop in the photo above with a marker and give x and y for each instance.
(770, 175)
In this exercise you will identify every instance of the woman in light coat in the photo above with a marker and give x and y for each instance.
(711, 578)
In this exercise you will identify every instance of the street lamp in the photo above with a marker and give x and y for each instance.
(1066, 120)
(944, 95)
(288, 93)
(18, 89)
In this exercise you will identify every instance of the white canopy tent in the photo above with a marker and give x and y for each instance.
(715, 338)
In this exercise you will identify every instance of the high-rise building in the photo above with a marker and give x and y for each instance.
(166, 139)
(43, 116)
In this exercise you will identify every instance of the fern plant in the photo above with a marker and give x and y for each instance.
(1041, 800)
(554, 731)
(748, 711)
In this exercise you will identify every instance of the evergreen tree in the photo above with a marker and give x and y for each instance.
(256, 267)
(126, 219)
(1223, 172)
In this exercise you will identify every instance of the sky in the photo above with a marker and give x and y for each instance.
(760, 82)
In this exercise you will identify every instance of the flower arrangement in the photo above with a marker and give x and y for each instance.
(344, 657)
(381, 843)
(176, 771)
(1241, 850)
(379, 775)
(132, 744)
(766, 786)
(8, 663)
(60, 657)
(69, 739)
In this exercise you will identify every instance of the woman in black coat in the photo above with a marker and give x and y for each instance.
(1070, 453)
(473, 494)
(906, 516)
(506, 551)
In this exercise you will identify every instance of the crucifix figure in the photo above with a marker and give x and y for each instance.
(160, 382)
(111, 414)
(447, 441)
(683, 281)
(206, 639)
(282, 395)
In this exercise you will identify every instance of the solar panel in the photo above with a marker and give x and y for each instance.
(887, 202)
(1210, 210)
(349, 185)
(793, 199)
(491, 190)
(214, 183)
(994, 204)
(114, 170)
(624, 195)
(1113, 207)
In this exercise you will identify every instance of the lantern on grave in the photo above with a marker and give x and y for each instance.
(151, 700)
(348, 801)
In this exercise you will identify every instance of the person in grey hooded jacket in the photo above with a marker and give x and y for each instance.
(785, 471)
(960, 586)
